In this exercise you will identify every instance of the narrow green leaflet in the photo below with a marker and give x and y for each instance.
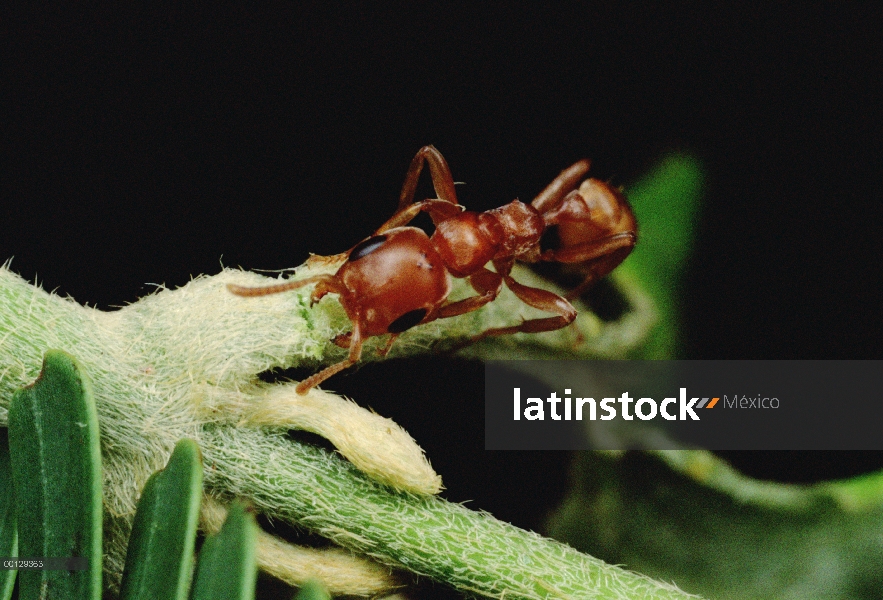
(227, 568)
(159, 559)
(56, 470)
(8, 534)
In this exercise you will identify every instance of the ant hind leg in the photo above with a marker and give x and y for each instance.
(566, 181)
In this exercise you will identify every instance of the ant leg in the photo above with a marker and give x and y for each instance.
(591, 250)
(560, 186)
(597, 269)
(437, 209)
(537, 298)
(488, 285)
(599, 258)
(384, 350)
(345, 339)
(355, 354)
(442, 180)
(328, 283)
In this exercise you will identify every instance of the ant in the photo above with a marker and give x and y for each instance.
(400, 277)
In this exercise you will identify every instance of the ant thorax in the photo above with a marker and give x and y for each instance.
(521, 229)
(466, 242)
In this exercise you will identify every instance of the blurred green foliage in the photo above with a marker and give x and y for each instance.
(686, 515)
(666, 204)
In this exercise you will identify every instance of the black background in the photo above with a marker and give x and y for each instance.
(145, 144)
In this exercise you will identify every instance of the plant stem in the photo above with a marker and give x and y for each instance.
(177, 363)
(426, 535)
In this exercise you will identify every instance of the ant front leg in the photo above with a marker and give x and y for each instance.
(444, 207)
(488, 285)
(344, 340)
(442, 180)
(355, 354)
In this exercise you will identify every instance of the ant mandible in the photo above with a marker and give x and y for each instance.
(400, 277)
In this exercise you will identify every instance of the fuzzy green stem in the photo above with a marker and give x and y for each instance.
(183, 363)
(471, 550)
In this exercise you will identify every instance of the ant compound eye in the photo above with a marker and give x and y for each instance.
(407, 320)
(365, 248)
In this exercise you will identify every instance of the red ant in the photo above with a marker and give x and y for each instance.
(400, 277)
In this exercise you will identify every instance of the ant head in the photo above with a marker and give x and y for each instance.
(393, 281)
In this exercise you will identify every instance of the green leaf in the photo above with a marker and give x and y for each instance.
(313, 589)
(159, 558)
(666, 203)
(227, 568)
(56, 470)
(688, 517)
(8, 533)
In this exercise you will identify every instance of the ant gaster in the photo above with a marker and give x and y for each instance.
(400, 277)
